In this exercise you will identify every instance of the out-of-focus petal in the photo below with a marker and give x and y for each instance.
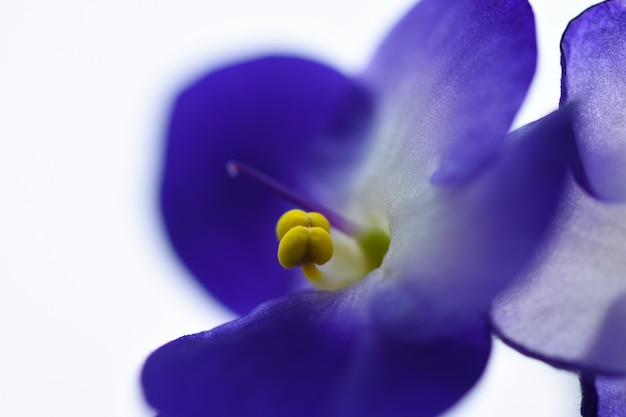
(569, 309)
(313, 354)
(450, 78)
(594, 64)
(294, 119)
(461, 244)
(611, 397)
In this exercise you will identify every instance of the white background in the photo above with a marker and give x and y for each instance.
(88, 285)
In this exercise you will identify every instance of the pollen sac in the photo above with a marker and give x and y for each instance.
(304, 239)
(296, 217)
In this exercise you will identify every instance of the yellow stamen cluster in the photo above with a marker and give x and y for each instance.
(304, 240)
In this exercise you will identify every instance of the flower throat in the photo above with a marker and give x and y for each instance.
(304, 237)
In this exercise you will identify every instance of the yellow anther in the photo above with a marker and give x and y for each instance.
(296, 217)
(305, 245)
(304, 241)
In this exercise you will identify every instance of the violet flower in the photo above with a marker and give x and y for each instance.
(411, 149)
(570, 308)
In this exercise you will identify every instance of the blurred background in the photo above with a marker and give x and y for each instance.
(88, 285)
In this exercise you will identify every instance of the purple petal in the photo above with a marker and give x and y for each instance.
(603, 396)
(570, 307)
(309, 355)
(296, 120)
(594, 63)
(450, 78)
(461, 244)
(611, 396)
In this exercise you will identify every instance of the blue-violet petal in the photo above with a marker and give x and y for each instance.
(306, 355)
(294, 119)
(449, 79)
(569, 308)
(594, 64)
(461, 244)
(611, 396)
